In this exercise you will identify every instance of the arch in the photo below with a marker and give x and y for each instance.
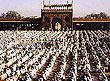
(67, 18)
(46, 19)
(57, 24)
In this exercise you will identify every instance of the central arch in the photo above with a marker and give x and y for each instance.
(57, 24)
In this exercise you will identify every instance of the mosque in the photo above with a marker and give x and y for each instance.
(55, 17)
(77, 55)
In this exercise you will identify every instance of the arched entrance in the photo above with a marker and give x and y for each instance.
(57, 24)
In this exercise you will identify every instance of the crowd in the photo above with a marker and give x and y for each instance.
(81, 55)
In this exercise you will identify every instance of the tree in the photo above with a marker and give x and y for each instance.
(11, 15)
(3, 15)
(88, 17)
(101, 15)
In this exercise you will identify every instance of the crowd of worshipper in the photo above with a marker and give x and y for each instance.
(81, 55)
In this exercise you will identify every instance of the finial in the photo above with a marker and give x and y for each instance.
(49, 2)
(67, 1)
(43, 3)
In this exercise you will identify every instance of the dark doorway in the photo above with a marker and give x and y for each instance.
(57, 24)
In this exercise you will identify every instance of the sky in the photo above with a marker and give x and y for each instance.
(33, 7)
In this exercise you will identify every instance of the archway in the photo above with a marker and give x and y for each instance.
(57, 24)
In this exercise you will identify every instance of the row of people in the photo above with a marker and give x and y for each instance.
(47, 55)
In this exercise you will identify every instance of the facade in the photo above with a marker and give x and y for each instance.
(57, 16)
(20, 24)
(91, 24)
